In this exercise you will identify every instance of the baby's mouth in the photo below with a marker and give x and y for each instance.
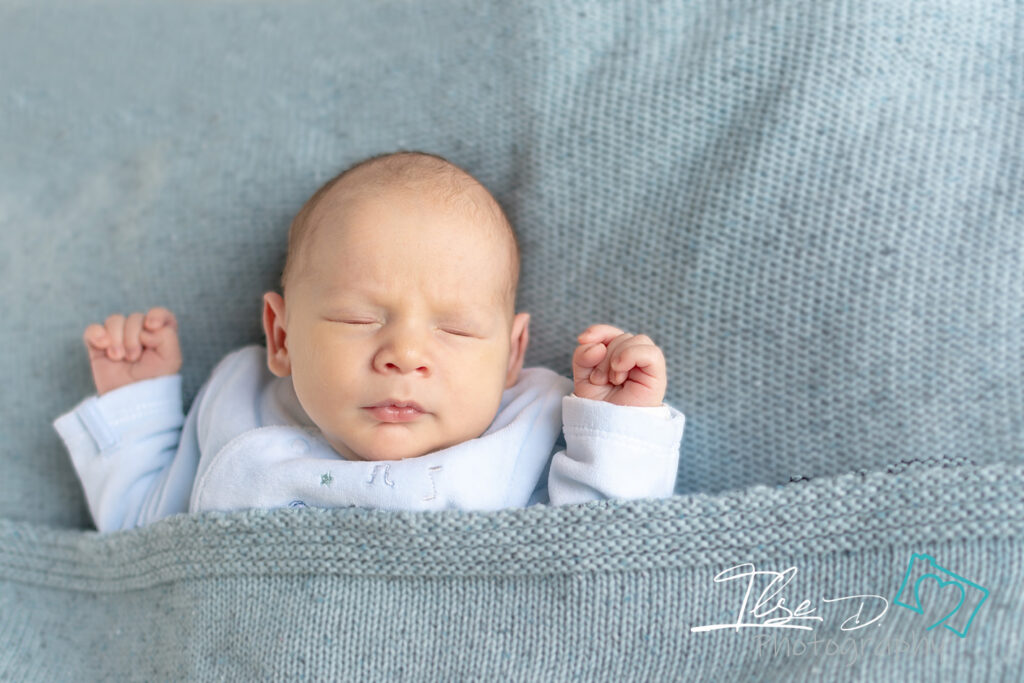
(395, 411)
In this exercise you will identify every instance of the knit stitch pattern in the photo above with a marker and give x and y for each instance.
(603, 591)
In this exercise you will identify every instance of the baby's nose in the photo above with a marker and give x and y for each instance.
(406, 367)
(405, 353)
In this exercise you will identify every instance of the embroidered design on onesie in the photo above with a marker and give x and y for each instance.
(326, 479)
(387, 472)
(433, 488)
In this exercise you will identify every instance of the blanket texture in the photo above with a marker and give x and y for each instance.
(816, 208)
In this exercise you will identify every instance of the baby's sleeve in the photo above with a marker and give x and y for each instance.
(127, 449)
(615, 451)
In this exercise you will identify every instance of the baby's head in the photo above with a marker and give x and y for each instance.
(399, 287)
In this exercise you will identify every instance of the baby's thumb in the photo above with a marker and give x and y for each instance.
(586, 358)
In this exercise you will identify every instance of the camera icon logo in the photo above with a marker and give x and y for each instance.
(924, 568)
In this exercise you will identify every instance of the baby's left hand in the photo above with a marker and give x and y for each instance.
(617, 367)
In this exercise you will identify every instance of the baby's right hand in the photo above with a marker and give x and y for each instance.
(133, 349)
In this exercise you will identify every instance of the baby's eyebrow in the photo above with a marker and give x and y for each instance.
(467, 313)
(331, 294)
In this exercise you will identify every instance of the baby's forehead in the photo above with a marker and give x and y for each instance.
(368, 291)
(361, 209)
(348, 260)
(347, 215)
(362, 230)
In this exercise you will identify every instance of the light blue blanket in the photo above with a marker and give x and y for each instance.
(815, 208)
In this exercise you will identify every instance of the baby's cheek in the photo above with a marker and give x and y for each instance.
(323, 385)
(479, 401)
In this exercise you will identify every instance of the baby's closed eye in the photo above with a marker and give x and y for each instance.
(351, 318)
(357, 326)
(457, 332)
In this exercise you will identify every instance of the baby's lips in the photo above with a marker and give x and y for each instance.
(393, 410)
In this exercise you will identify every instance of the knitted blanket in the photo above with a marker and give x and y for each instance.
(816, 209)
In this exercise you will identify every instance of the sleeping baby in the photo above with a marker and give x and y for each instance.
(392, 377)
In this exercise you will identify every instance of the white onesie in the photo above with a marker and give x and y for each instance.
(247, 442)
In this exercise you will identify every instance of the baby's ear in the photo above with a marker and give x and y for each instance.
(517, 348)
(273, 328)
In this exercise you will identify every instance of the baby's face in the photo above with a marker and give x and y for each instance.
(401, 300)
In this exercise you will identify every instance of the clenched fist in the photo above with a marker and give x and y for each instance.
(126, 350)
(617, 367)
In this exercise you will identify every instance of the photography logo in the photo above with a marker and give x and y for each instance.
(944, 588)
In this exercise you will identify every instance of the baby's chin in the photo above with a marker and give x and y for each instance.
(384, 457)
(382, 451)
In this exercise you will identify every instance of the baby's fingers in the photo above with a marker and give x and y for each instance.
(163, 343)
(132, 343)
(636, 353)
(156, 340)
(588, 356)
(96, 338)
(115, 330)
(159, 317)
(598, 333)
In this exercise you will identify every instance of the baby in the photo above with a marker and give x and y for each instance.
(392, 377)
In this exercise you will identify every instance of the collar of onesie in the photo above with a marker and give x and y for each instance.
(282, 459)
